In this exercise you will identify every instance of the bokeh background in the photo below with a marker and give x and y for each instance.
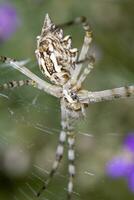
(30, 119)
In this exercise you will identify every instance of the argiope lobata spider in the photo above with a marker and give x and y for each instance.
(63, 66)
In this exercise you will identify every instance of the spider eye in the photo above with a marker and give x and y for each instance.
(74, 95)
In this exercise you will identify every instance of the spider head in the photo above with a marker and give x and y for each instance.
(55, 56)
(71, 99)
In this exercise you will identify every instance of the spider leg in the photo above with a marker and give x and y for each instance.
(78, 20)
(86, 71)
(87, 40)
(47, 87)
(60, 148)
(18, 83)
(71, 158)
(85, 47)
(105, 95)
(14, 84)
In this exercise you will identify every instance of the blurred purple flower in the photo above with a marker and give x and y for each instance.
(129, 142)
(130, 180)
(123, 165)
(117, 167)
(8, 21)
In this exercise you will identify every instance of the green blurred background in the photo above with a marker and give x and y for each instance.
(30, 119)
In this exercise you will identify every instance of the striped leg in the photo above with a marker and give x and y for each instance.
(14, 84)
(85, 47)
(105, 95)
(71, 166)
(86, 71)
(60, 149)
(78, 20)
(41, 84)
(87, 40)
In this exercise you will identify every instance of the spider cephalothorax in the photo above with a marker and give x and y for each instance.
(55, 54)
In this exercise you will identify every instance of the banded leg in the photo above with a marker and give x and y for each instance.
(14, 84)
(86, 71)
(105, 95)
(43, 85)
(78, 20)
(85, 47)
(60, 149)
(71, 166)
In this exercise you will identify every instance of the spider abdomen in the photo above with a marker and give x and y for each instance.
(54, 53)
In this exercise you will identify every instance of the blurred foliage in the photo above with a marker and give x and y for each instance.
(30, 119)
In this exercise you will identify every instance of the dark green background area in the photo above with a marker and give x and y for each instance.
(30, 119)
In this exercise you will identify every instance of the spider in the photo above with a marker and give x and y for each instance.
(63, 66)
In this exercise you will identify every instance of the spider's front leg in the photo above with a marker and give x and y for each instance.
(60, 147)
